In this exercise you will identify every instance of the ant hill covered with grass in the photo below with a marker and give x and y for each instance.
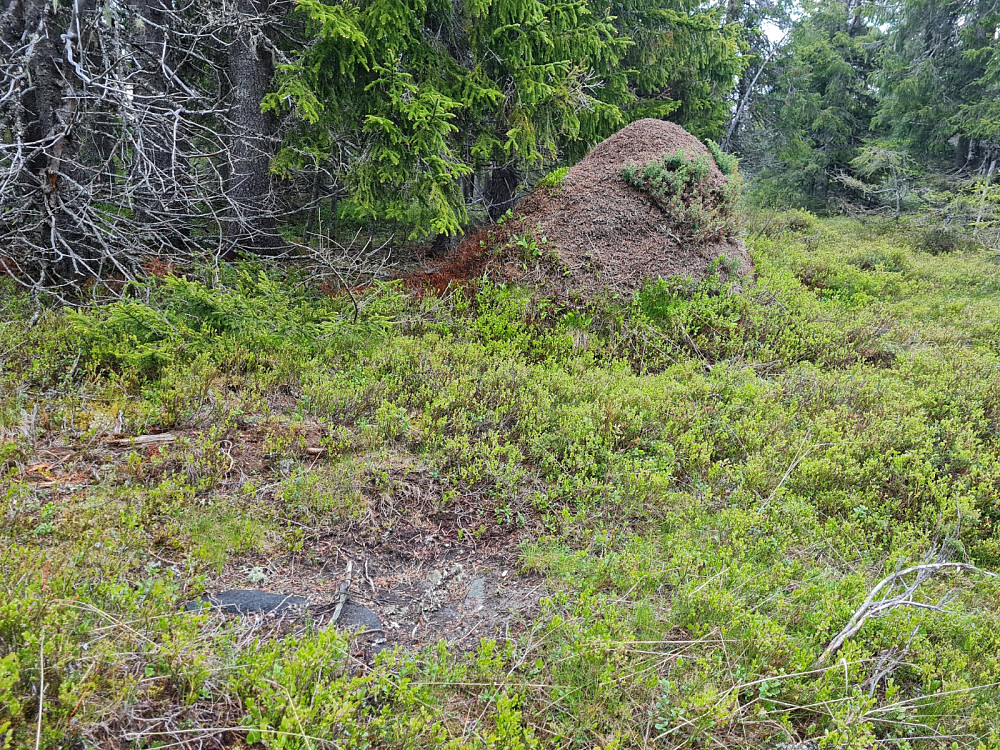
(649, 202)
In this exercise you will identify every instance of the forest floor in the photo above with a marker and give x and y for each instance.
(506, 522)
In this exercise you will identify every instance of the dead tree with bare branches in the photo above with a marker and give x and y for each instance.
(132, 130)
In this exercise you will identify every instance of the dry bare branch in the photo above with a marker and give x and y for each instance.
(134, 142)
(879, 602)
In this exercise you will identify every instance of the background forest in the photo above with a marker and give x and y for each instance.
(135, 129)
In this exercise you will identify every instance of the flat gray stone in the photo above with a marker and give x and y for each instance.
(248, 602)
(354, 616)
(475, 598)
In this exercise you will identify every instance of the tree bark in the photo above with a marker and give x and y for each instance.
(11, 27)
(501, 194)
(962, 152)
(40, 99)
(734, 11)
(744, 99)
(50, 105)
(855, 22)
(252, 225)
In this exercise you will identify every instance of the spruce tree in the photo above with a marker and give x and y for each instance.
(420, 107)
(820, 110)
(684, 60)
(424, 95)
(934, 78)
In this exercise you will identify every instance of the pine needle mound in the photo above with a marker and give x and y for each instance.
(595, 232)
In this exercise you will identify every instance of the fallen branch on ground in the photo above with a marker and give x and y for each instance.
(165, 437)
(872, 608)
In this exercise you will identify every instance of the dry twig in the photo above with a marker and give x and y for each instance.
(873, 606)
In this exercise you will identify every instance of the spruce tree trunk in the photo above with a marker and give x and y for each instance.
(855, 22)
(157, 169)
(734, 10)
(11, 26)
(51, 106)
(252, 225)
(40, 99)
(501, 194)
(13, 203)
(31, 28)
(962, 151)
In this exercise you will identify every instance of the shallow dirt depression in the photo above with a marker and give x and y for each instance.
(413, 572)
(605, 235)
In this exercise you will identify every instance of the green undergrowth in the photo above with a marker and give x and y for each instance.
(709, 479)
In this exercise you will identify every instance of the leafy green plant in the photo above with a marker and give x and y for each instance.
(727, 163)
(940, 240)
(529, 247)
(695, 490)
(9, 704)
(554, 178)
(771, 223)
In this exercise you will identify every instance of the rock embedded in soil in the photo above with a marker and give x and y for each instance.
(601, 234)
(248, 602)
(355, 616)
(475, 597)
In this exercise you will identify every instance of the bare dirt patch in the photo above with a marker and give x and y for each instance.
(417, 568)
(410, 575)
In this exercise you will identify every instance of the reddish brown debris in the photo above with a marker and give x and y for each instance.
(469, 261)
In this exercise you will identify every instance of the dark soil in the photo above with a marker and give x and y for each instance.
(419, 572)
